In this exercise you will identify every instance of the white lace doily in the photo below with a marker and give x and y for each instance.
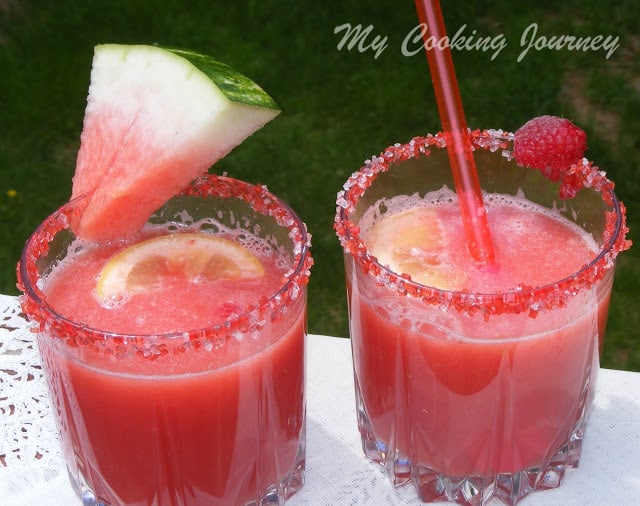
(32, 471)
(29, 448)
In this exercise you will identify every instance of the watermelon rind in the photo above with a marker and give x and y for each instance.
(236, 86)
(155, 120)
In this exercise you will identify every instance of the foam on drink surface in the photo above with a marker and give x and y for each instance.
(177, 304)
(535, 246)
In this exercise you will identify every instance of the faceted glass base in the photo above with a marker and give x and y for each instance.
(274, 495)
(502, 489)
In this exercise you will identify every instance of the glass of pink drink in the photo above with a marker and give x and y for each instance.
(191, 393)
(475, 382)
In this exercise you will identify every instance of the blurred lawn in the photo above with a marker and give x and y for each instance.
(340, 106)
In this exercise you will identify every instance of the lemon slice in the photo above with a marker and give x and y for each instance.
(194, 256)
(413, 242)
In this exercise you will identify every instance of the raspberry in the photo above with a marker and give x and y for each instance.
(550, 144)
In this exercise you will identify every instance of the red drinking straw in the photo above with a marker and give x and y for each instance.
(454, 126)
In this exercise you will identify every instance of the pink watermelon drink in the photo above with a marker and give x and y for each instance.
(171, 316)
(177, 387)
(475, 382)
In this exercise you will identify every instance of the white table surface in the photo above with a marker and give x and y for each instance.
(337, 472)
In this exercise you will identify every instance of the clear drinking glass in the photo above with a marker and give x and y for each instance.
(199, 417)
(442, 401)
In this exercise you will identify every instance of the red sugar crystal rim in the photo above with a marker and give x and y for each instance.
(267, 308)
(583, 174)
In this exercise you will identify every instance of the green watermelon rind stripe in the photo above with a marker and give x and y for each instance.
(234, 85)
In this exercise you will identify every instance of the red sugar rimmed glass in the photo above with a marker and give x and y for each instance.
(203, 416)
(476, 398)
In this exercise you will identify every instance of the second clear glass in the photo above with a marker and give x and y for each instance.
(475, 397)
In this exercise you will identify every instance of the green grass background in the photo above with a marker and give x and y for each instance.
(339, 106)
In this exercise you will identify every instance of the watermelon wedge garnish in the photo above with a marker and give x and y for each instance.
(156, 118)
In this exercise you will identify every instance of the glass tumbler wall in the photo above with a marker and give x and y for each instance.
(202, 416)
(475, 396)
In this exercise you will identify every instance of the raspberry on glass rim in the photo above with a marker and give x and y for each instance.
(550, 144)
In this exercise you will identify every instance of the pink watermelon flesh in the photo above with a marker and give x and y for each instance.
(140, 176)
(123, 199)
(140, 145)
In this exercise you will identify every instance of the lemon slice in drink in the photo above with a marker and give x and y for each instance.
(192, 256)
(413, 242)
